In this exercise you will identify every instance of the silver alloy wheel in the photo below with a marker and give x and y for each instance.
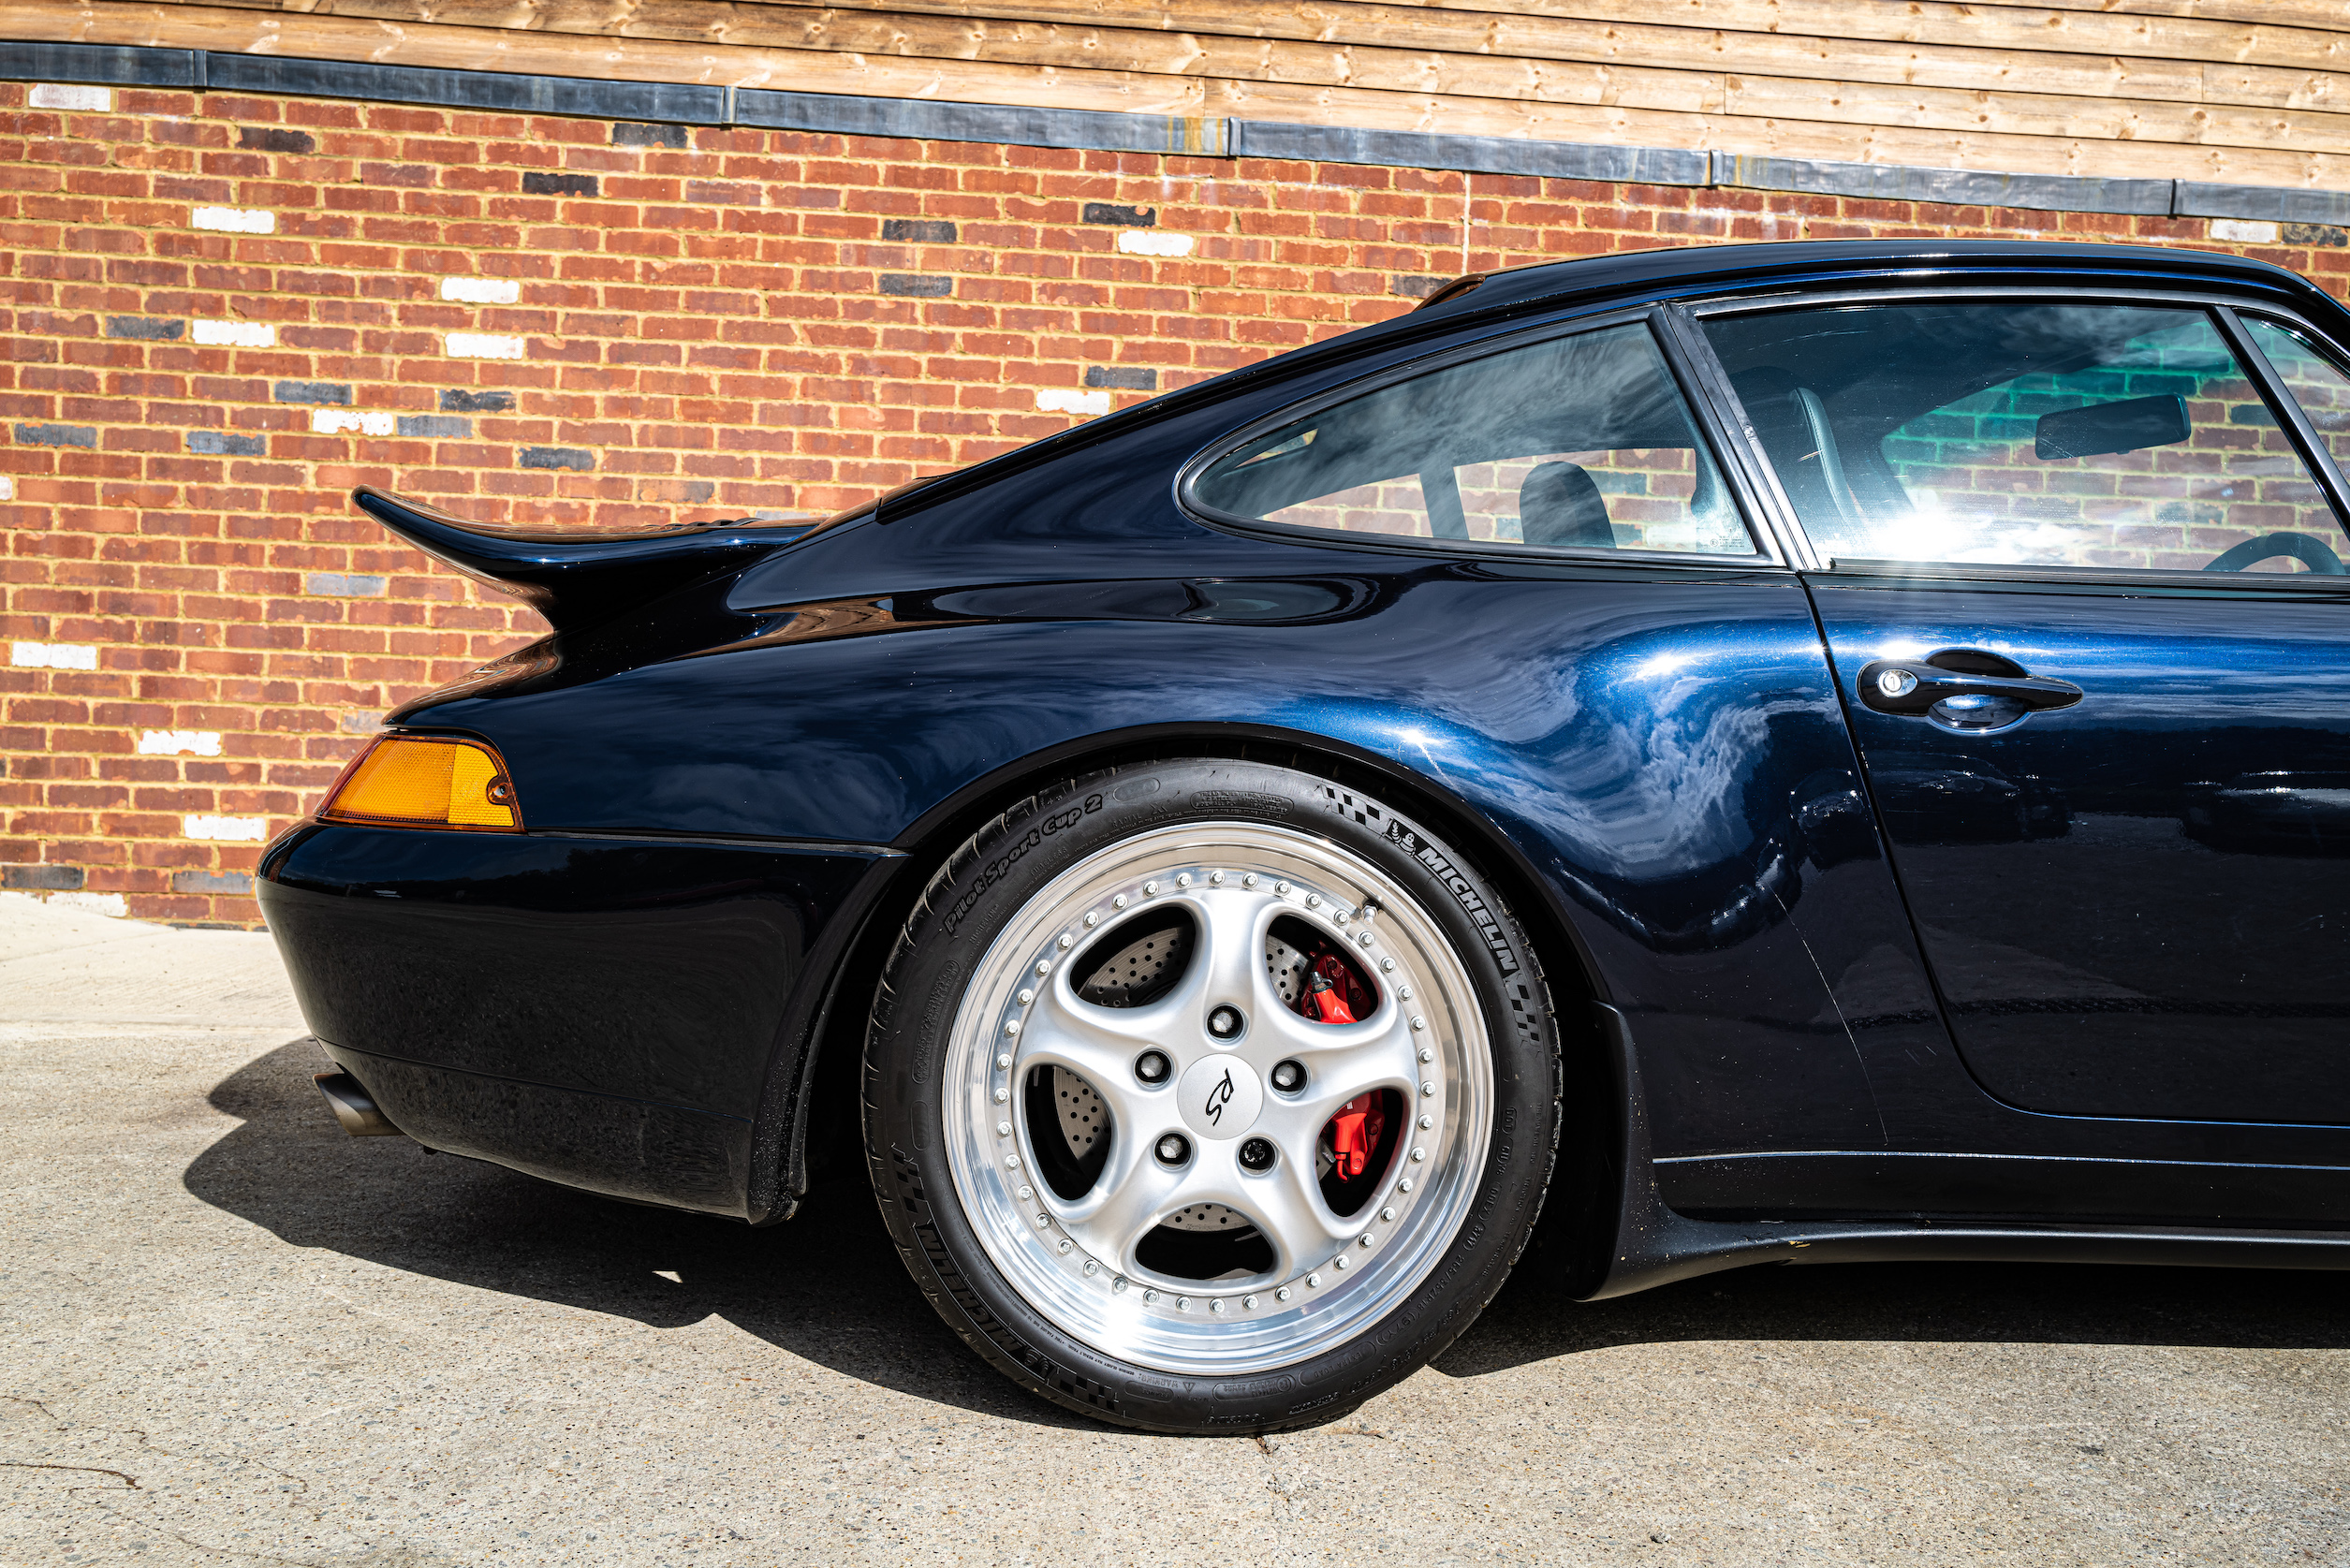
(1333, 1277)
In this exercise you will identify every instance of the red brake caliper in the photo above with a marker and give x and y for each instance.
(1354, 1131)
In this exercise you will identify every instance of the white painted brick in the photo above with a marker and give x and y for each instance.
(58, 95)
(228, 830)
(483, 346)
(235, 220)
(345, 421)
(177, 742)
(1152, 241)
(54, 655)
(8, 487)
(96, 903)
(2244, 232)
(1062, 401)
(235, 334)
(481, 291)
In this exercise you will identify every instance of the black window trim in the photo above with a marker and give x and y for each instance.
(2223, 309)
(1769, 555)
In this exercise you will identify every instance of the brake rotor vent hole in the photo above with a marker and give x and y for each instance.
(1144, 958)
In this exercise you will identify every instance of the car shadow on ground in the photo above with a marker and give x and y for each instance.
(827, 1286)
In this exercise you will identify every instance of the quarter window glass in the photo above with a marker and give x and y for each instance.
(2033, 436)
(2316, 383)
(1577, 443)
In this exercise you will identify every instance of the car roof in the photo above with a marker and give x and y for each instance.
(1688, 268)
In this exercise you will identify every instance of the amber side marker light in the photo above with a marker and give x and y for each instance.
(426, 782)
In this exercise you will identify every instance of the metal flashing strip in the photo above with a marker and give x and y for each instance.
(929, 120)
(1955, 187)
(1475, 155)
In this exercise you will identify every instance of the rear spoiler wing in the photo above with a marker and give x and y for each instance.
(574, 577)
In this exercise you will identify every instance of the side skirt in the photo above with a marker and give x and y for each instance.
(1656, 1244)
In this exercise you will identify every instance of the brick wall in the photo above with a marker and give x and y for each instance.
(222, 313)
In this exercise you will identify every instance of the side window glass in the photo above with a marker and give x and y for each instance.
(2318, 384)
(1574, 443)
(2066, 435)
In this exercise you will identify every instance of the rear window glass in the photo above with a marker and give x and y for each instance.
(1579, 442)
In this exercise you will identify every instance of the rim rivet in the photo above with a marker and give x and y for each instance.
(1364, 937)
(1026, 996)
(1093, 1265)
(1282, 1294)
(1428, 1088)
(1182, 1303)
(1386, 966)
(1248, 1303)
(1045, 1220)
(1313, 901)
(1363, 1240)
(1216, 879)
(1313, 1281)
(1043, 966)
(1118, 902)
(1418, 1024)
(1093, 916)
(1150, 1295)
(1339, 915)
(1011, 1026)
(1004, 1059)
(1119, 1283)
(1405, 1186)
(1282, 888)
(1001, 1095)
(1217, 1305)
(1065, 1244)
(1011, 1162)
(1027, 1192)
(1405, 992)
(1003, 1129)
(1426, 1054)
(1419, 1154)
(1183, 879)
(1426, 1122)
(1387, 1213)
(1339, 1261)
(1068, 941)
(1150, 890)
(1249, 881)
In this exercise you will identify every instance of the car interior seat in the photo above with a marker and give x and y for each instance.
(1560, 507)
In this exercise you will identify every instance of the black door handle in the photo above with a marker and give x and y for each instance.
(1964, 690)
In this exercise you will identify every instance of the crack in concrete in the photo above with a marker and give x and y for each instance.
(130, 1481)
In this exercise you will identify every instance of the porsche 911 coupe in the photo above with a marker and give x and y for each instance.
(1789, 753)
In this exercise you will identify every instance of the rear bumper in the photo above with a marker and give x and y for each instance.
(602, 1012)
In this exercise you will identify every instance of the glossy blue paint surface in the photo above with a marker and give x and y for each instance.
(1655, 758)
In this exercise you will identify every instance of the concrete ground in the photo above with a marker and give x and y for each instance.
(229, 1334)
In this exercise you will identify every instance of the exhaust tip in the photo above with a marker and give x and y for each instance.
(355, 1107)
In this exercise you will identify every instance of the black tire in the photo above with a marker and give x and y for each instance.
(973, 897)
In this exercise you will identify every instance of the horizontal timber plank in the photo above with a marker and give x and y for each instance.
(1750, 92)
(169, 26)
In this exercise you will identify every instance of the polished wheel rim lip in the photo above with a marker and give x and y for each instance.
(1319, 1296)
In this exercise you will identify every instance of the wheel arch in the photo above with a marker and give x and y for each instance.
(824, 1074)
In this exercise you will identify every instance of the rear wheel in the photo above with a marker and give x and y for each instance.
(1208, 1095)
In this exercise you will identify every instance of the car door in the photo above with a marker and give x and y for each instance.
(2079, 567)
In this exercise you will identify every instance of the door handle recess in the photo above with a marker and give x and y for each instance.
(1966, 691)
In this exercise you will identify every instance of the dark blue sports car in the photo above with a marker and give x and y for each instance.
(1794, 752)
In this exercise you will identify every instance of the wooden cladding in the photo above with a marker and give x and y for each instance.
(2254, 91)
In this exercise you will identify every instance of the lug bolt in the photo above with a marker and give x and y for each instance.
(1153, 1067)
(1258, 1155)
(1288, 1077)
(1225, 1022)
(1174, 1149)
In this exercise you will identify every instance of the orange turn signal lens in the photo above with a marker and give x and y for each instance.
(426, 782)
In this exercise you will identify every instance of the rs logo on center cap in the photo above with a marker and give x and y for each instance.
(1221, 1095)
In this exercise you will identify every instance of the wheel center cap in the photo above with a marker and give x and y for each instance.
(1221, 1095)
